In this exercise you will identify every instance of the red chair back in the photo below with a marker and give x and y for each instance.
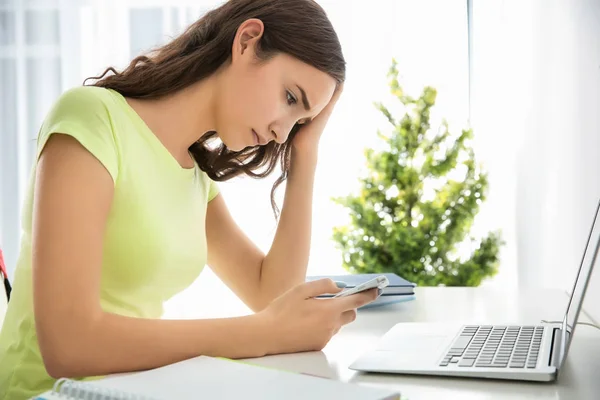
(4, 276)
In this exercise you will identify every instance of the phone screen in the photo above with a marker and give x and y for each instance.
(379, 282)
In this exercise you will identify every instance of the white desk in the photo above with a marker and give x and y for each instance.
(580, 379)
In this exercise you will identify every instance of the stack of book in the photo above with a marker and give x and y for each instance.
(398, 290)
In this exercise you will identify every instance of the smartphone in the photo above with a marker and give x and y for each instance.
(379, 282)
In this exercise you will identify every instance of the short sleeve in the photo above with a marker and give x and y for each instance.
(82, 114)
(213, 190)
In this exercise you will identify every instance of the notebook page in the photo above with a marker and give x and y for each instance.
(214, 378)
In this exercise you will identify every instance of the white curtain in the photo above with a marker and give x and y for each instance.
(35, 66)
(536, 97)
(48, 46)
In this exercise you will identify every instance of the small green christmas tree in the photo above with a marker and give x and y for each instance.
(412, 211)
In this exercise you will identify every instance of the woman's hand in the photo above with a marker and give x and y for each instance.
(307, 138)
(296, 321)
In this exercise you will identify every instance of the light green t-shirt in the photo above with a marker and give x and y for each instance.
(155, 241)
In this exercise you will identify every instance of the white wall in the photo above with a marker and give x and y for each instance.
(584, 76)
(537, 94)
(111, 32)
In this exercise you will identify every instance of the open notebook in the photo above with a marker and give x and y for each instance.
(215, 378)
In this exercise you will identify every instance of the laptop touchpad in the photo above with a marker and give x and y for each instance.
(422, 341)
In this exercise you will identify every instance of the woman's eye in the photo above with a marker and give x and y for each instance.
(291, 100)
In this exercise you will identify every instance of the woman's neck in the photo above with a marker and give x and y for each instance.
(180, 119)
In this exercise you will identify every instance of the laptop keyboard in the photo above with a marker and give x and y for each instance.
(496, 347)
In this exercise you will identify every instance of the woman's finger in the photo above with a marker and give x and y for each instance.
(357, 300)
(348, 316)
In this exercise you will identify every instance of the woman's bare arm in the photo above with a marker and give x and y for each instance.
(73, 194)
(77, 338)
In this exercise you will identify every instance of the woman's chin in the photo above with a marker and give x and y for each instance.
(229, 145)
(237, 145)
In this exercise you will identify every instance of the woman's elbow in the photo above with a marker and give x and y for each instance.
(56, 359)
(62, 350)
(55, 368)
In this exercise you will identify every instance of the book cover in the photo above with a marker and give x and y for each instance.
(397, 286)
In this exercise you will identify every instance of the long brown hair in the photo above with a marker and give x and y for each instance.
(299, 28)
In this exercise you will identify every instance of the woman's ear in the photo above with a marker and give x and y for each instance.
(247, 37)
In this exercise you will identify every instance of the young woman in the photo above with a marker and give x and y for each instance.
(123, 211)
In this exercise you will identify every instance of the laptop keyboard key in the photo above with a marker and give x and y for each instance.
(496, 346)
(461, 342)
(466, 362)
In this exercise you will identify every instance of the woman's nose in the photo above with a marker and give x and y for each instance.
(281, 131)
(278, 135)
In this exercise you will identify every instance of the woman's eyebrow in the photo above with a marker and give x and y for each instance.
(304, 98)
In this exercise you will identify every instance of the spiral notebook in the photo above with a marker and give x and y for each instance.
(215, 378)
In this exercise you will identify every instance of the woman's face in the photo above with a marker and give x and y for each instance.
(258, 102)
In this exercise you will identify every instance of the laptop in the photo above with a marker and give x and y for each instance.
(515, 352)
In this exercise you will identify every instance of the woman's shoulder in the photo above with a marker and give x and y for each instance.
(85, 97)
(82, 105)
(86, 114)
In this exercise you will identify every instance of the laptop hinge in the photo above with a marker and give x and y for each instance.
(555, 349)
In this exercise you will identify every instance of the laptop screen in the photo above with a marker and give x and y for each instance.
(581, 282)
